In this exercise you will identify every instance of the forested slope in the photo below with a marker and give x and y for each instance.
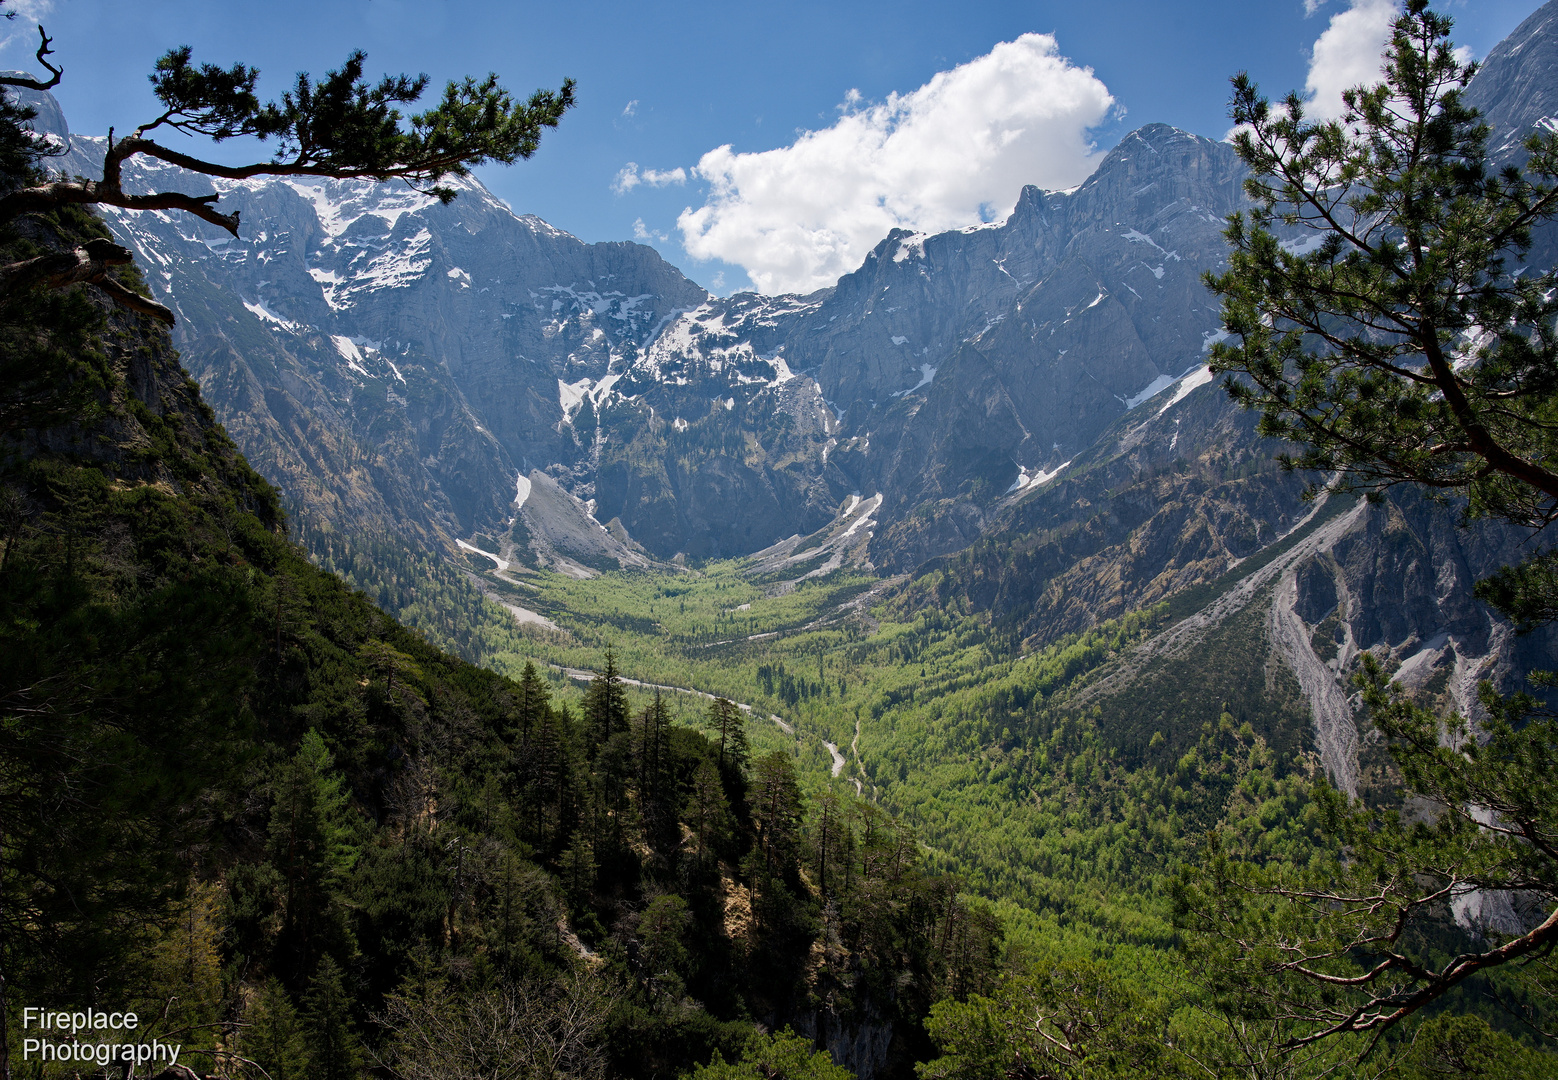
(240, 800)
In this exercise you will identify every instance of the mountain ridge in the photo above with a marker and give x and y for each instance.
(1025, 405)
(306, 332)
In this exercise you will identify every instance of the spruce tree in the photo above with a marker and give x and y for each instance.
(273, 1036)
(707, 815)
(657, 785)
(728, 723)
(541, 772)
(605, 707)
(333, 1051)
(534, 696)
(312, 844)
(776, 806)
(662, 950)
(829, 827)
(578, 869)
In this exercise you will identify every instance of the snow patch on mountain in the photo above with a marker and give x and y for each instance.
(701, 345)
(264, 312)
(865, 520)
(350, 353)
(1027, 481)
(911, 247)
(1150, 391)
(571, 396)
(1193, 381)
(398, 268)
(502, 563)
(1137, 237)
(927, 374)
(1303, 245)
(339, 203)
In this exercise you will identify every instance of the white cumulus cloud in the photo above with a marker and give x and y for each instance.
(643, 233)
(953, 153)
(23, 30)
(1348, 54)
(628, 178)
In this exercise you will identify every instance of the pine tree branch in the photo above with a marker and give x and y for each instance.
(89, 263)
(1385, 1010)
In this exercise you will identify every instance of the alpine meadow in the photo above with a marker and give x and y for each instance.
(1115, 636)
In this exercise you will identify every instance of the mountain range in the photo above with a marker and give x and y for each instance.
(1015, 418)
(397, 363)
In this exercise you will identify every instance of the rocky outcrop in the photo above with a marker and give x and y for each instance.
(955, 363)
(1516, 87)
(390, 362)
(1516, 90)
(1268, 602)
(555, 530)
(95, 395)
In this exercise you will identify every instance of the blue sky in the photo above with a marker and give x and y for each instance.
(889, 91)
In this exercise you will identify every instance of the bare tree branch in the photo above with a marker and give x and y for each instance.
(35, 84)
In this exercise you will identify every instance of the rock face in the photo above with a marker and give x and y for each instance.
(1516, 89)
(392, 363)
(1267, 602)
(954, 365)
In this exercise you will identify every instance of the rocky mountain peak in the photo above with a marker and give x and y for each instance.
(49, 118)
(1157, 171)
(1516, 87)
